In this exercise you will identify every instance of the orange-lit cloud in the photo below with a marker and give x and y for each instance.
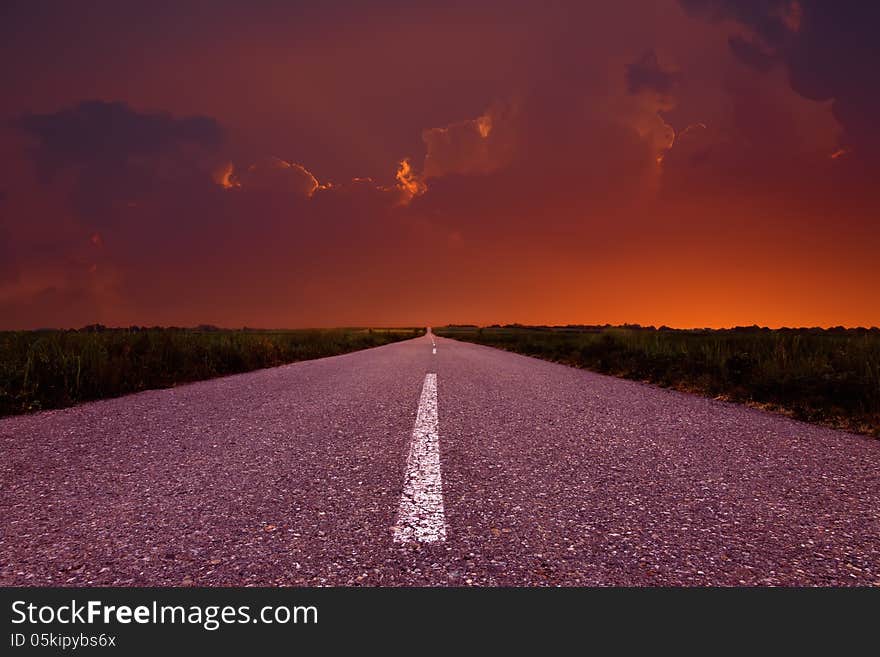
(270, 174)
(408, 182)
(474, 146)
(224, 176)
(274, 173)
(653, 85)
(470, 147)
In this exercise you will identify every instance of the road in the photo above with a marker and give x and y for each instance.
(340, 471)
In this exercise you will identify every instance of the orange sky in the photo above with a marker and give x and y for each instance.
(693, 163)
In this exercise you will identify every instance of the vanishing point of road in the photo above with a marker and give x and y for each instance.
(432, 462)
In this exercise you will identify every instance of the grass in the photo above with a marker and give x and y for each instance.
(827, 376)
(52, 369)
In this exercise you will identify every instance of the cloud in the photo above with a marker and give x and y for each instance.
(653, 85)
(224, 175)
(471, 147)
(112, 154)
(277, 175)
(409, 183)
(827, 48)
(98, 133)
(752, 53)
(647, 75)
(272, 176)
(769, 20)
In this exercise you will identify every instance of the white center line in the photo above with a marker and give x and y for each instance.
(421, 518)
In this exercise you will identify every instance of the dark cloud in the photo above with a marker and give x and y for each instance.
(770, 19)
(112, 134)
(646, 74)
(828, 48)
(116, 154)
(751, 53)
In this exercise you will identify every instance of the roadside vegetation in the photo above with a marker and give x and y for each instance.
(829, 376)
(57, 368)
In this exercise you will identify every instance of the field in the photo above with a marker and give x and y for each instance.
(52, 369)
(826, 376)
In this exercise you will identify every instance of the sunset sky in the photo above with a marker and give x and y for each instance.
(287, 164)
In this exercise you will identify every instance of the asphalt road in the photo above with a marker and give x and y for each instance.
(306, 475)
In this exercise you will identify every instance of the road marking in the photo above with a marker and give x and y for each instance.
(421, 518)
(434, 351)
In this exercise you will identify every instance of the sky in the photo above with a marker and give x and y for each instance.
(690, 163)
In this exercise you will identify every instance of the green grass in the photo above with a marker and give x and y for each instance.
(53, 369)
(826, 376)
